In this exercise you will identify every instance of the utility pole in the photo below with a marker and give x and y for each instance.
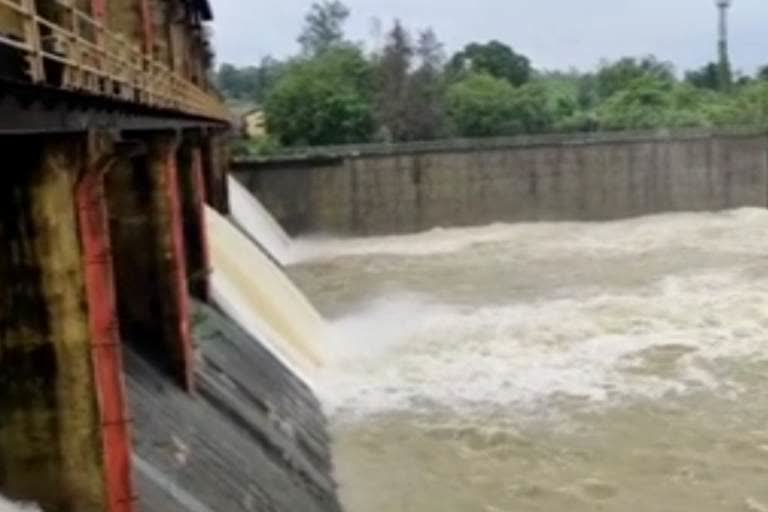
(724, 65)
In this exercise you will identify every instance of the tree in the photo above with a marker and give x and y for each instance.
(323, 27)
(266, 75)
(323, 100)
(478, 105)
(426, 90)
(745, 106)
(228, 79)
(649, 102)
(392, 84)
(762, 73)
(534, 110)
(616, 76)
(707, 77)
(251, 83)
(493, 58)
(481, 105)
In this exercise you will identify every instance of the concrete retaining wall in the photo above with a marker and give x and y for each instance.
(395, 189)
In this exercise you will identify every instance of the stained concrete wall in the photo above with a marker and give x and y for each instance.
(86, 220)
(50, 435)
(395, 189)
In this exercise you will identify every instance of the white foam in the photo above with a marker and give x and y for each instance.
(661, 340)
(625, 236)
(252, 217)
(10, 506)
(256, 293)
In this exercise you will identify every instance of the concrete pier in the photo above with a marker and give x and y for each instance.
(193, 198)
(95, 228)
(106, 259)
(51, 446)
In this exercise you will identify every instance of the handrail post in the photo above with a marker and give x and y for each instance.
(32, 36)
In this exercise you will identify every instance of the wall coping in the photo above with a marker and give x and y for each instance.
(331, 154)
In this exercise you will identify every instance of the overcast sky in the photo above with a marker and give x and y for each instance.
(553, 33)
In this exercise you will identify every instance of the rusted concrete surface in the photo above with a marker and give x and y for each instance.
(97, 229)
(50, 431)
(547, 178)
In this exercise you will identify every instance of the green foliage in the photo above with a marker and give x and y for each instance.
(746, 106)
(708, 77)
(495, 59)
(481, 105)
(323, 27)
(260, 146)
(404, 91)
(323, 100)
(392, 81)
(613, 77)
(426, 87)
(649, 103)
(251, 83)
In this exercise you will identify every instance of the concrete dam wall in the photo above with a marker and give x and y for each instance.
(394, 189)
(152, 357)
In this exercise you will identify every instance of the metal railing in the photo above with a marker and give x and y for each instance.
(94, 60)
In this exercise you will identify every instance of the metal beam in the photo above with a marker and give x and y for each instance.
(26, 109)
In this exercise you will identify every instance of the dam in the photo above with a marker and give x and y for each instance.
(533, 323)
(153, 355)
(534, 365)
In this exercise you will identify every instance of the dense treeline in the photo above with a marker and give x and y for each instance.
(407, 89)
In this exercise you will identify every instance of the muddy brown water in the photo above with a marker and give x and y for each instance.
(617, 366)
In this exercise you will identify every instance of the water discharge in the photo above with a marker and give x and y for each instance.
(253, 290)
(537, 367)
(257, 223)
(9, 506)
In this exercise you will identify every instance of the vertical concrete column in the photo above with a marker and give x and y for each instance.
(193, 193)
(150, 264)
(51, 447)
(215, 164)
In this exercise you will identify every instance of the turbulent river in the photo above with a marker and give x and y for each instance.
(617, 366)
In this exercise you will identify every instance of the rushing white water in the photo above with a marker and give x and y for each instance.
(255, 292)
(257, 222)
(608, 366)
(9, 506)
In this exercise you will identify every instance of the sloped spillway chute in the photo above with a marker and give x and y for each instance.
(253, 290)
(251, 216)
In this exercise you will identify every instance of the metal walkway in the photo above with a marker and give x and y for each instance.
(91, 59)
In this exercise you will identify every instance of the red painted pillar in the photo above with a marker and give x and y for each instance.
(178, 267)
(98, 9)
(105, 338)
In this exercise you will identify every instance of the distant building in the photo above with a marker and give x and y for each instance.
(254, 123)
